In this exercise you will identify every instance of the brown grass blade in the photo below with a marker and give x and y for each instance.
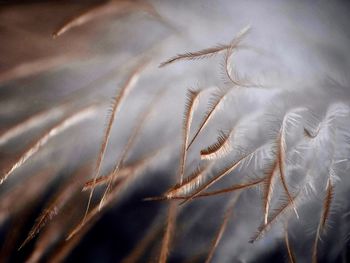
(227, 190)
(77, 232)
(214, 105)
(191, 105)
(291, 255)
(189, 184)
(219, 149)
(55, 204)
(68, 122)
(265, 227)
(129, 84)
(135, 167)
(327, 202)
(229, 54)
(281, 160)
(169, 231)
(269, 184)
(110, 199)
(222, 174)
(50, 245)
(24, 194)
(93, 215)
(222, 228)
(45, 217)
(204, 53)
(232, 188)
(143, 119)
(124, 172)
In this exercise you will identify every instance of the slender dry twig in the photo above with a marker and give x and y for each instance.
(291, 255)
(289, 118)
(55, 204)
(23, 194)
(68, 122)
(222, 228)
(77, 233)
(189, 184)
(129, 84)
(224, 172)
(96, 212)
(214, 105)
(81, 229)
(169, 231)
(136, 167)
(130, 143)
(204, 53)
(191, 105)
(269, 185)
(281, 162)
(265, 227)
(219, 149)
(227, 190)
(233, 188)
(327, 202)
(229, 54)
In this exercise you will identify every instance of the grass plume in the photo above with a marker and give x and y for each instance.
(143, 119)
(225, 172)
(191, 105)
(207, 52)
(291, 255)
(118, 99)
(327, 202)
(271, 221)
(214, 105)
(68, 122)
(229, 54)
(222, 228)
(219, 149)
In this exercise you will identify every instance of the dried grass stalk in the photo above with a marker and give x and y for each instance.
(222, 228)
(68, 122)
(129, 84)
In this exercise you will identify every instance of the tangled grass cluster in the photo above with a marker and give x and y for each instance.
(255, 171)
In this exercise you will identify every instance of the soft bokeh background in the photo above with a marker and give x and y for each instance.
(298, 52)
